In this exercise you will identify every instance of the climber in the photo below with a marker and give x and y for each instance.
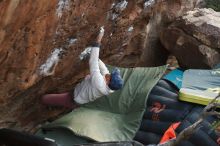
(99, 83)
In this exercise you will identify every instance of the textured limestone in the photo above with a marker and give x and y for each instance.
(41, 40)
(195, 39)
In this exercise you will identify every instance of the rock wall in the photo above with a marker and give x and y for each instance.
(195, 39)
(40, 43)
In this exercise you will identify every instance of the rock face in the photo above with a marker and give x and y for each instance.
(40, 43)
(195, 39)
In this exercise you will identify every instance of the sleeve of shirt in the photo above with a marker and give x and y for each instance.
(94, 60)
(98, 80)
(103, 69)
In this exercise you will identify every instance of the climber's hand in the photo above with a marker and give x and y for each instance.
(100, 36)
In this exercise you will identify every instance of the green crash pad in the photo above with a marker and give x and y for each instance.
(116, 117)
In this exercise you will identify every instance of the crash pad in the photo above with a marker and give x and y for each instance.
(63, 137)
(12, 137)
(164, 108)
(116, 117)
(175, 77)
(200, 86)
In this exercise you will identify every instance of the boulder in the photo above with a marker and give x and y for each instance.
(40, 44)
(194, 39)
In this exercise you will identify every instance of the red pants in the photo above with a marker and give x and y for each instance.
(62, 100)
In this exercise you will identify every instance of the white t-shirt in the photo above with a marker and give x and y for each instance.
(94, 85)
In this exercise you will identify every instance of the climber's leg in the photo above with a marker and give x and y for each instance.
(63, 99)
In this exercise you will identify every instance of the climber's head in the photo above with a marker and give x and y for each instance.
(114, 80)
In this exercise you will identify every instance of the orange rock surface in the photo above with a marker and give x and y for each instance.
(41, 40)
